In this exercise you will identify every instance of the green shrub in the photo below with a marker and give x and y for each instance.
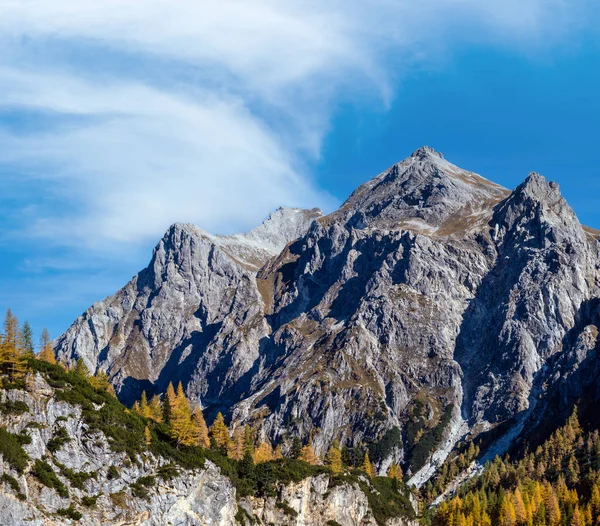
(113, 473)
(167, 472)
(139, 490)
(381, 449)
(429, 441)
(146, 481)
(333, 523)
(77, 479)
(11, 448)
(385, 502)
(12, 482)
(14, 408)
(58, 440)
(45, 474)
(70, 512)
(35, 425)
(287, 509)
(89, 502)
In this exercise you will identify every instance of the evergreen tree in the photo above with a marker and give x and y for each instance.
(81, 369)
(296, 448)
(248, 441)
(26, 340)
(334, 458)
(148, 436)
(168, 401)
(277, 454)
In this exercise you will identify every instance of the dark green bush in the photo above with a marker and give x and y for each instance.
(59, 439)
(12, 482)
(167, 472)
(429, 441)
(45, 474)
(287, 509)
(14, 408)
(333, 523)
(11, 448)
(381, 449)
(89, 502)
(113, 473)
(70, 512)
(77, 479)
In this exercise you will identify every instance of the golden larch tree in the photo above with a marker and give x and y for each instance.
(307, 454)
(200, 428)
(263, 453)
(367, 467)
(219, 433)
(334, 458)
(181, 419)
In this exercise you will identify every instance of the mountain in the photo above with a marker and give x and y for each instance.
(432, 306)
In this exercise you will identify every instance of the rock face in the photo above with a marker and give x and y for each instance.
(190, 498)
(431, 289)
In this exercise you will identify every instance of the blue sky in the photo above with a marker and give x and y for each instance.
(120, 118)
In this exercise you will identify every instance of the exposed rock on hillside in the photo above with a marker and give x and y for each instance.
(69, 468)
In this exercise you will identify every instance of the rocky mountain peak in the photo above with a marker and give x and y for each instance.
(424, 152)
(423, 193)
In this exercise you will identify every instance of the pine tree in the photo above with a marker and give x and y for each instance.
(148, 436)
(248, 441)
(277, 454)
(296, 448)
(220, 433)
(334, 458)
(46, 352)
(367, 467)
(81, 369)
(26, 341)
(168, 401)
(307, 454)
(200, 428)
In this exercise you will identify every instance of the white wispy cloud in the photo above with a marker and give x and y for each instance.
(209, 111)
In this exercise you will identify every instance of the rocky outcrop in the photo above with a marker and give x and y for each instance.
(431, 289)
(188, 497)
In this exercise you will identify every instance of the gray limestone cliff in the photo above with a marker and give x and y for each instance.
(432, 298)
